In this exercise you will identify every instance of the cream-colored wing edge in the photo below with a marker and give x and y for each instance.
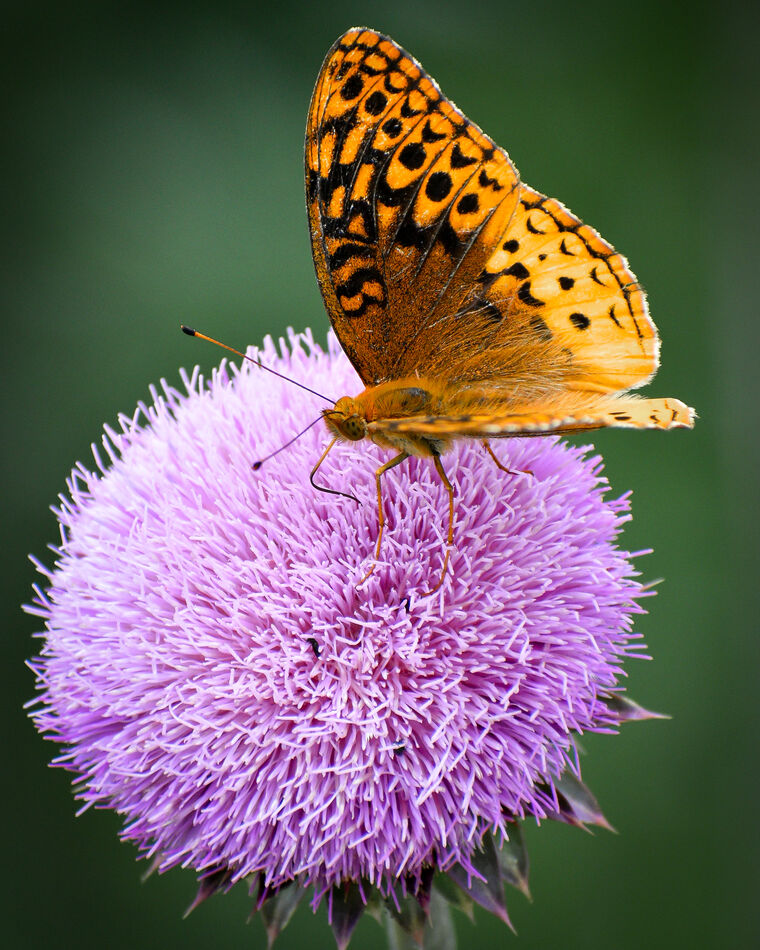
(567, 414)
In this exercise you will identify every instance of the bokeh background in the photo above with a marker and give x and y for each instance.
(153, 166)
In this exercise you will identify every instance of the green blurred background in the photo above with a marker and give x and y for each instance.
(153, 158)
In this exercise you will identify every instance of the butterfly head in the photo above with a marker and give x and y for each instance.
(346, 420)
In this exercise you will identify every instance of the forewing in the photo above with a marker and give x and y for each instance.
(572, 412)
(407, 199)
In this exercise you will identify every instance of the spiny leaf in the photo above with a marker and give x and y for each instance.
(397, 937)
(208, 885)
(453, 894)
(424, 885)
(345, 909)
(440, 933)
(488, 892)
(409, 915)
(155, 864)
(375, 906)
(277, 910)
(578, 806)
(513, 860)
(629, 711)
(410, 905)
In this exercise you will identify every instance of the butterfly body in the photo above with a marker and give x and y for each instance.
(471, 305)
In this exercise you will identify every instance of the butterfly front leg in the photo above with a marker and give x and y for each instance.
(324, 488)
(509, 471)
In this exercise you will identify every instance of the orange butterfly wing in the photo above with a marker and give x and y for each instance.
(434, 261)
(406, 199)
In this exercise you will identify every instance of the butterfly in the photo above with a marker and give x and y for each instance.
(470, 305)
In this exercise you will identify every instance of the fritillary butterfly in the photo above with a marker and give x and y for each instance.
(469, 304)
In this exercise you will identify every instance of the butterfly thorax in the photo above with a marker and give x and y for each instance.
(362, 416)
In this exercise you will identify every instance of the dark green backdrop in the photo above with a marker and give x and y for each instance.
(153, 154)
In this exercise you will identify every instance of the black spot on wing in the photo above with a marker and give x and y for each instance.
(459, 159)
(517, 270)
(375, 103)
(580, 321)
(410, 234)
(412, 156)
(438, 186)
(352, 87)
(428, 135)
(450, 241)
(523, 292)
(532, 228)
(407, 112)
(393, 127)
(486, 181)
(468, 204)
(347, 252)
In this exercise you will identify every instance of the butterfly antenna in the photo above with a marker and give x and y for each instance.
(257, 465)
(202, 336)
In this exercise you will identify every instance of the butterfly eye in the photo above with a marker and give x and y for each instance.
(354, 428)
(344, 423)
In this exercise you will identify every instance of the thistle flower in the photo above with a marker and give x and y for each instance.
(217, 674)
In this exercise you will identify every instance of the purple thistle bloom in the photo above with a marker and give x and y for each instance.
(215, 675)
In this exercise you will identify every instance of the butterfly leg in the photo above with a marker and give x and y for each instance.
(329, 491)
(450, 539)
(487, 447)
(396, 460)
